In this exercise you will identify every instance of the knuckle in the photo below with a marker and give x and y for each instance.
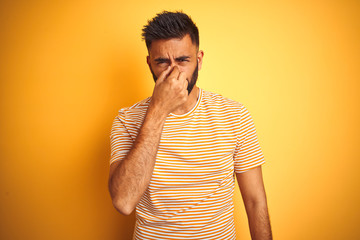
(183, 93)
(177, 90)
(172, 79)
(185, 97)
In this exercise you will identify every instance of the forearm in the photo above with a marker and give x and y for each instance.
(130, 178)
(133, 174)
(259, 221)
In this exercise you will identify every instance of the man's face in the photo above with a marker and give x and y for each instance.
(175, 52)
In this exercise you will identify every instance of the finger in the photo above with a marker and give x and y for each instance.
(164, 74)
(175, 73)
(182, 76)
(186, 83)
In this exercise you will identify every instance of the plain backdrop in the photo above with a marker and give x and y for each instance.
(67, 67)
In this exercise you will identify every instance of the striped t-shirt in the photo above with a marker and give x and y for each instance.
(190, 193)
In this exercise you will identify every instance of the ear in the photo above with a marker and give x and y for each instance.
(200, 56)
(148, 60)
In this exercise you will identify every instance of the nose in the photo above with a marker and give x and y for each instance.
(173, 63)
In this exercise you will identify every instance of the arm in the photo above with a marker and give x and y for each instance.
(130, 177)
(253, 193)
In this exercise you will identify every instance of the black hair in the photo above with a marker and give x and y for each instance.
(167, 25)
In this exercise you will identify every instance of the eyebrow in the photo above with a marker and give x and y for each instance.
(182, 58)
(161, 59)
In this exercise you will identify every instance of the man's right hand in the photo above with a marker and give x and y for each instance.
(170, 91)
(130, 177)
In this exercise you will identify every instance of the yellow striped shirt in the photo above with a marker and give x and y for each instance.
(190, 193)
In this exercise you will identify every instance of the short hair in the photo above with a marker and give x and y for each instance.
(167, 25)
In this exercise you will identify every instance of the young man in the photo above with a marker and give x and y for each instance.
(174, 155)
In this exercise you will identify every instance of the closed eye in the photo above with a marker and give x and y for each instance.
(161, 61)
(183, 59)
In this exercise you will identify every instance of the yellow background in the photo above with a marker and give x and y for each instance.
(67, 67)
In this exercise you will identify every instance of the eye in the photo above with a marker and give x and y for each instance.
(183, 60)
(161, 62)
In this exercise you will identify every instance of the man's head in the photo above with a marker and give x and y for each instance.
(167, 25)
(172, 39)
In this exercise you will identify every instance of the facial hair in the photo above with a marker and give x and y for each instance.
(192, 82)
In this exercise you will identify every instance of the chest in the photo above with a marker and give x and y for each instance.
(194, 153)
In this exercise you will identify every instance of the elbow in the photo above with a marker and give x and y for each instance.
(119, 203)
(125, 211)
(122, 208)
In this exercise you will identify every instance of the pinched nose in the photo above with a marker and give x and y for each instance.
(174, 64)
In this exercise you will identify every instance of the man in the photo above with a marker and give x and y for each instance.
(174, 155)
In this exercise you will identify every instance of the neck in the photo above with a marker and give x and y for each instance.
(190, 103)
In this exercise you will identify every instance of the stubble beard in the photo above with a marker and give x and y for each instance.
(191, 84)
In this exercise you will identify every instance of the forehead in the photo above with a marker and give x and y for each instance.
(172, 47)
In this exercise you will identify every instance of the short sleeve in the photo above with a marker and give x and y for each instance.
(120, 140)
(248, 153)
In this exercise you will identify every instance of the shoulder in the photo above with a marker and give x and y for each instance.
(135, 112)
(211, 99)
